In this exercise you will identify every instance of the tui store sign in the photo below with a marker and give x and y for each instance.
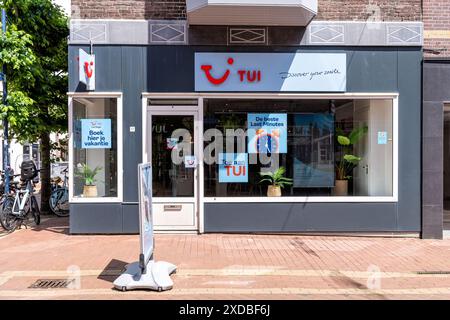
(271, 72)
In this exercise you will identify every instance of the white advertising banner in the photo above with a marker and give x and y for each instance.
(271, 72)
(86, 69)
(145, 214)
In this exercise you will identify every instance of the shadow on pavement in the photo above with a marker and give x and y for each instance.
(52, 224)
(111, 271)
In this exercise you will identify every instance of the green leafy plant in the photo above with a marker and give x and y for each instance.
(276, 178)
(348, 161)
(230, 121)
(87, 174)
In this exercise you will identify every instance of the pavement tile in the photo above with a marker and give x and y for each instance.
(227, 266)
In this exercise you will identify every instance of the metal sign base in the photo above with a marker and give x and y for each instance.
(157, 277)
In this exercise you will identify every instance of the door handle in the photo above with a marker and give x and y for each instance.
(172, 207)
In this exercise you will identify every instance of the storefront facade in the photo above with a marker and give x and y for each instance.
(293, 98)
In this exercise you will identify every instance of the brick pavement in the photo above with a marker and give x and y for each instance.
(220, 266)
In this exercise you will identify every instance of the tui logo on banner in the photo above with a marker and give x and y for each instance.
(86, 69)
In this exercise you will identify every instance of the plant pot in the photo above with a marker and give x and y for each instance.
(274, 191)
(341, 188)
(89, 191)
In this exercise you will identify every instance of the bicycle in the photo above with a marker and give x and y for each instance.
(59, 197)
(4, 199)
(18, 204)
(12, 183)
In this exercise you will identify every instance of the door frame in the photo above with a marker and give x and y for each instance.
(197, 113)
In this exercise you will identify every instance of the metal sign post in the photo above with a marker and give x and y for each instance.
(146, 215)
(5, 141)
(146, 273)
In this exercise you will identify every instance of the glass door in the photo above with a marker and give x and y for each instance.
(173, 154)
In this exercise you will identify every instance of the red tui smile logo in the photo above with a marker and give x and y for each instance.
(243, 75)
(88, 69)
(217, 81)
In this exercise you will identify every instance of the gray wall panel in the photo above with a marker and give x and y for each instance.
(409, 71)
(109, 70)
(95, 218)
(436, 84)
(130, 218)
(433, 116)
(372, 70)
(170, 69)
(134, 79)
(436, 79)
(297, 217)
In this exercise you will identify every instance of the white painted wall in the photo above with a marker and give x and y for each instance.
(361, 174)
(374, 174)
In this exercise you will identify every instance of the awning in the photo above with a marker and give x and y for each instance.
(251, 12)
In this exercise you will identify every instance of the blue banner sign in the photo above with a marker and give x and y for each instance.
(271, 72)
(95, 133)
(267, 132)
(233, 167)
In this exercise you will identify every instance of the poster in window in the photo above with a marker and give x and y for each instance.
(233, 167)
(171, 143)
(96, 133)
(382, 137)
(313, 150)
(267, 133)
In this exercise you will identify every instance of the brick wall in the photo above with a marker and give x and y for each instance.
(376, 10)
(436, 19)
(386, 10)
(129, 9)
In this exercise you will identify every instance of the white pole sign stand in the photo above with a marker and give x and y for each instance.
(146, 273)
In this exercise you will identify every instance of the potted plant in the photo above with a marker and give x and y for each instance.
(231, 121)
(277, 181)
(88, 176)
(347, 161)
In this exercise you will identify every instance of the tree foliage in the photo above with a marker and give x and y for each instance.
(34, 54)
(34, 51)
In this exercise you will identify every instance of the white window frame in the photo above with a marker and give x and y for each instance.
(394, 96)
(87, 95)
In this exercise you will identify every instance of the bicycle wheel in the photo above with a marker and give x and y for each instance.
(35, 211)
(59, 202)
(8, 221)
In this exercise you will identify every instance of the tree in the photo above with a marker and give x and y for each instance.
(34, 51)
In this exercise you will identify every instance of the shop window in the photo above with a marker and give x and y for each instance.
(26, 152)
(326, 147)
(95, 148)
(31, 152)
